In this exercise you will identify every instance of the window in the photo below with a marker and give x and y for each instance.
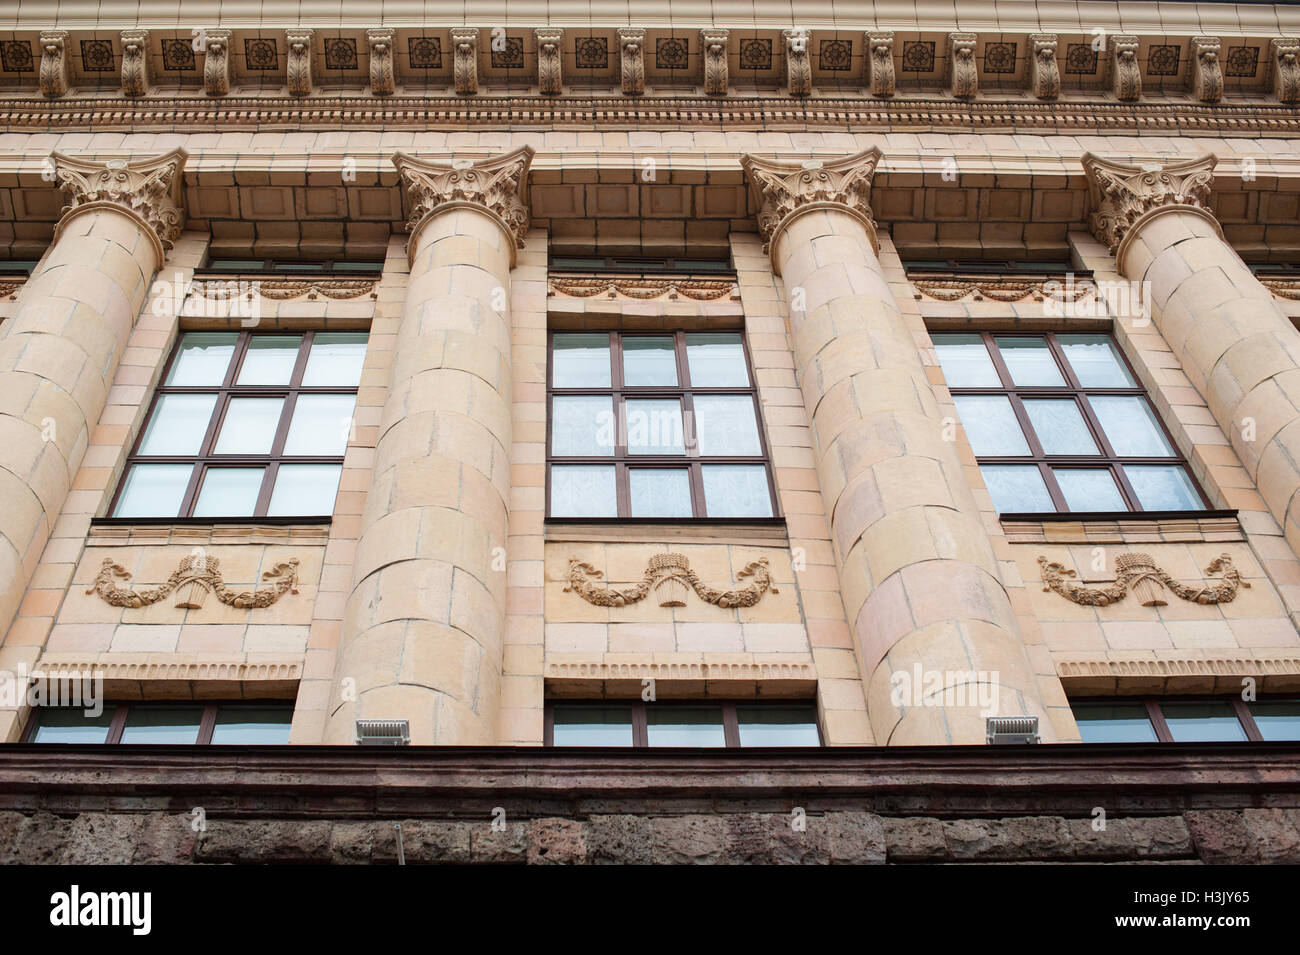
(1060, 423)
(695, 725)
(239, 724)
(655, 426)
(246, 425)
(293, 266)
(947, 268)
(1187, 720)
(638, 263)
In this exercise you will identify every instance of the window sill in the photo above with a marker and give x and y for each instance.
(767, 530)
(1122, 527)
(216, 530)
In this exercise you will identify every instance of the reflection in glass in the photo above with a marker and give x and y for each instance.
(1089, 489)
(725, 425)
(203, 358)
(249, 426)
(649, 361)
(1060, 427)
(67, 724)
(1114, 723)
(178, 425)
(168, 724)
(965, 361)
(685, 726)
(1202, 722)
(1095, 361)
(1163, 487)
(991, 425)
(583, 490)
(335, 360)
(580, 360)
(153, 490)
(269, 360)
(252, 725)
(321, 425)
(1130, 426)
(1017, 488)
(716, 360)
(778, 726)
(1277, 719)
(229, 492)
(592, 725)
(582, 425)
(1029, 361)
(654, 426)
(660, 492)
(736, 490)
(305, 490)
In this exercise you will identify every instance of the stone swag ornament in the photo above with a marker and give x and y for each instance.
(197, 576)
(1139, 574)
(669, 577)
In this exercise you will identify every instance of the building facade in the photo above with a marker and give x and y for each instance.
(541, 381)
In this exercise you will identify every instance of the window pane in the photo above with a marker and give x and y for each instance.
(178, 424)
(203, 358)
(592, 725)
(1059, 424)
(660, 492)
(320, 425)
(249, 426)
(1277, 719)
(580, 361)
(649, 361)
(736, 490)
(1163, 487)
(726, 425)
(991, 425)
(1089, 489)
(685, 726)
(1017, 488)
(154, 490)
(163, 724)
(654, 426)
(582, 425)
(965, 361)
(1095, 361)
(229, 492)
(1114, 723)
(778, 726)
(583, 491)
(1130, 426)
(716, 360)
(305, 490)
(1029, 361)
(252, 725)
(1202, 722)
(269, 360)
(67, 724)
(335, 359)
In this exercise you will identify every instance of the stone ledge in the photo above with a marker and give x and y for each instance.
(1211, 527)
(150, 678)
(682, 680)
(1162, 671)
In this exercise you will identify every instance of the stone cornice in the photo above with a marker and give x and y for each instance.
(495, 186)
(150, 190)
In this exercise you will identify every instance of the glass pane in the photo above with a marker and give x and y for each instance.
(249, 426)
(67, 724)
(178, 424)
(1017, 489)
(269, 360)
(654, 426)
(685, 726)
(1114, 723)
(649, 361)
(1130, 426)
(162, 724)
(252, 725)
(593, 725)
(991, 425)
(965, 361)
(305, 490)
(203, 358)
(660, 492)
(320, 425)
(1095, 361)
(154, 490)
(1089, 489)
(736, 490)
(1163, 487)
(580, 361)
(335, 359)
(1202, 722)
(778, 726)
(583, 491)
(1029, 361)
(1277, 719)
(716, 360)
(1059, 424)
(726, 425)
(229, 492)
(582, 425)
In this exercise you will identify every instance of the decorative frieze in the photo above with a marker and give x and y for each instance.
(880, 62)
(645, 289)
(962, 67)
(1002, 290)
(283, 290)
(1285, 53)
(383, 77)
(798, 67)
(197, 576)
(1044, 71)
(669, 578)
(783, 190)
(549, 70)
(631, 44)
(714, 44)
(148, 189)
(216, 62)
(1126, 72)
(1122, 194)
(135, 62)
(299, 61)
(464, 45)
(54, 62)
(1207, 74)
(1138, 573)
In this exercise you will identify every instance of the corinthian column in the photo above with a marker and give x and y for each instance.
(59, 352)
(933, 627)
(423, 628)
(1235, 344)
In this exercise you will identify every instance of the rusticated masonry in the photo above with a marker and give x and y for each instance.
(59, 352)
(423, 628)
(919, 579)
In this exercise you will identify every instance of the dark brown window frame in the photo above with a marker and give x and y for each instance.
(206, 459)
(289, 268)
(1240, 708)
(683, 391)
(640, 720)
(207, 722)
(1072, 389)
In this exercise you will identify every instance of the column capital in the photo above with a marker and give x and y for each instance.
(150, 190)
(1125, 196)
(783, 191)
(495, 186)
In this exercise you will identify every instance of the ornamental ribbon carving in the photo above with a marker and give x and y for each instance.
(150, 189)
(197, 576)
(135, 62)
(669, 577)
(697, 290)
(1140, 574)
(1123, 194)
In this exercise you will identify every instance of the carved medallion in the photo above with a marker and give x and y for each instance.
(1140, 574)
(669, 577)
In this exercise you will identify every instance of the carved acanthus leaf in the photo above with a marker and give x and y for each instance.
(149, 188)
(1121, 194)
(135, 62)
(714, 43)
(54, 62)
(1207, 73)
(1139, 574)
(197, 576)
(299, 61)
(1285, 52)
(880, 64)
(383, 78)
(798, 68)
(464, 44)
(631, 44)
(1126, 72)
(783, 190)
(669, 577)
(496, 185)
(1044, 71)
(962, 65)
(550, 79)
(216, 62)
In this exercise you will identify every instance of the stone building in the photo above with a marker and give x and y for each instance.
(811, 405)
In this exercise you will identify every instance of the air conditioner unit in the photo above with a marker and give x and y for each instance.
(1010, 730)
(383, 733)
